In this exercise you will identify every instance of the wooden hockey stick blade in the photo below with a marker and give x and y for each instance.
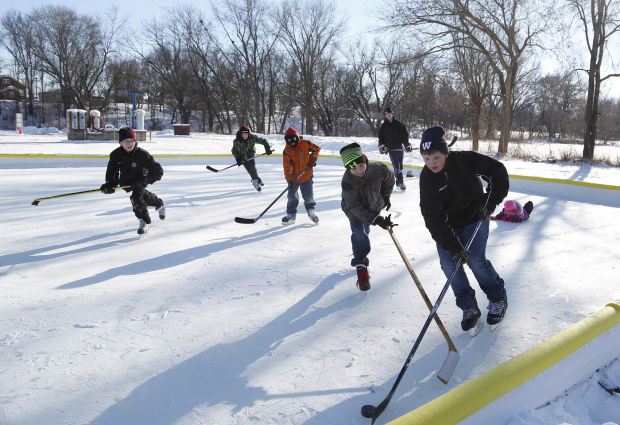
(245, 220)
(447, 369)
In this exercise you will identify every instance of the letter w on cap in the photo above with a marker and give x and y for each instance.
(426, 146)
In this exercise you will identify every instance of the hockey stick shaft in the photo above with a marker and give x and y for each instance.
(254, 220)
(381, 407)
(215, 170)
(36, 201)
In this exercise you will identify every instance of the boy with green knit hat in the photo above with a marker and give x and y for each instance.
(366, 190)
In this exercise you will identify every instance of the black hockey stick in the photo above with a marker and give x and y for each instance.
(453, 141)
(230, 166)
(370, 411)
(36, 201)
(254, 220)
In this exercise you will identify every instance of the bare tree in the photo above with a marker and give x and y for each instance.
(17, 38)
(72, 49)
(476, 76)
(600, 20)
(246, 27)
(309, 29)
(502, 30)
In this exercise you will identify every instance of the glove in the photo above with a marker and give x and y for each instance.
(107, 188)
(383, 149)
(486, 209)
(386, 201)
(463, 255)
(384, 222)
(312, 161)
(239, 162)
(408, 148)
(268, 150)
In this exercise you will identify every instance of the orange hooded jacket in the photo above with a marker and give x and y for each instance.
(296, 159)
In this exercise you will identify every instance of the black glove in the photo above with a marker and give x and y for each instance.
(463, 255)
(486, 209)
(386, 201)
(384, 222)
(107, 188)
(268, 150)
(408, 148)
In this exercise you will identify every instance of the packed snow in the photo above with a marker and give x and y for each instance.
(207, 321)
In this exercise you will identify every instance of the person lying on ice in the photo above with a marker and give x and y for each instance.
(514, 212)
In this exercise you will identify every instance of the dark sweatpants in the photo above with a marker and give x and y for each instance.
(140, 199)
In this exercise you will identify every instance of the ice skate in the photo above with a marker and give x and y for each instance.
(144, 227)
(497, 311)
(470, 320)
(256, 185)
(161, 210)
(363, 278)
(288, 219)
(313, 216)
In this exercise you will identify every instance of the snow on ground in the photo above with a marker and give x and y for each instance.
(206, 321)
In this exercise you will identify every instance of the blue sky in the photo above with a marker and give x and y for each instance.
(360, 23)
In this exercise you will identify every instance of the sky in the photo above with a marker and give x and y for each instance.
(204, 321)
(361, 13)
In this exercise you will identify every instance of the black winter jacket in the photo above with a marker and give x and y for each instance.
(452, 198)
(362, 197)
(128, 168)
(393, 135)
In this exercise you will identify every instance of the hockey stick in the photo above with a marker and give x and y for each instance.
(453, 141)
(254, 220)
(230, 166)
(36, 201)
(370, 411)
(449, 364)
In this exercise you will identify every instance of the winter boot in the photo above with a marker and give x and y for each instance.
(144, 227)
(313, 216)
(288, 219)
(256, 185)
(497, 310)
(470, 317)
(161, 210)
(363, 278)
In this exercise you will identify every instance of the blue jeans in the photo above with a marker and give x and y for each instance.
(397, 156)
(293, 196)
(360, 242)
(485, 274)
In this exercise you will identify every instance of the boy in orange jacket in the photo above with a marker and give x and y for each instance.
(298, 159)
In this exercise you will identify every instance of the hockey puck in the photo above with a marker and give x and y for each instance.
(368, 410)
(409, 173)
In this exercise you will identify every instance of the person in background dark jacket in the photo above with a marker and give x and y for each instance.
(366, 190)
(452, 201)
(132, 166)
(244, 152)
(393, 137)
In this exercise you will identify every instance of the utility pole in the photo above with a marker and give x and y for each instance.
(133, 108)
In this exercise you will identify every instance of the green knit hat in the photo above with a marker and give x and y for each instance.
(352, 155)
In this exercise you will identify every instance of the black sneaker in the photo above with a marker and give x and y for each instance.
(497, 311)
(470, 317)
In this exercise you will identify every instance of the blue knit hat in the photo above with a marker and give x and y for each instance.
(433, 140)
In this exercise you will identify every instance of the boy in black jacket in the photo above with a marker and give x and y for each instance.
(132, 166)
(452, 201)
(244, 152)
(366, 190)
